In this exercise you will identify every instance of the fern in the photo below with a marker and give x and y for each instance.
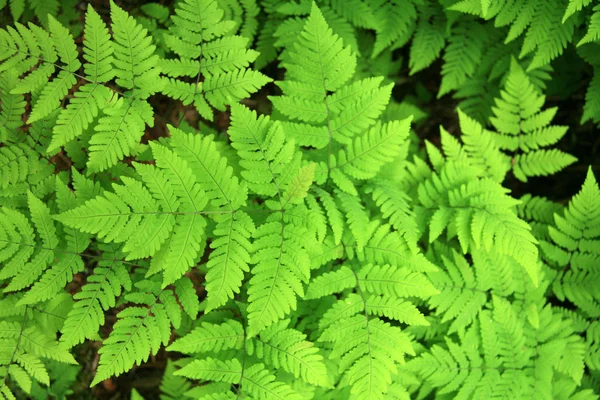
(91, 97)
(573, 248)
(508, 365)
(206, 48)
(469, 206)
(140, 329)
(529, 126)
(314, 238)
(170, 214)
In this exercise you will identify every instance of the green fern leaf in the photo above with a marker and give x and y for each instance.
(429, 38)
(99, 294)
(479, 204)
(54, 91)
(13, 106)
(525, 127)
(135, 64)
(286, 348)
(591, 108)
(256, 380)
(140, 329)
(206, 46)
(364, 157)
(229, 259)
(281, 267)
(84, 106)
(211, 338)
(463, 54)
(118, 132)
(548, 35)
(573, 7)
(573, 248)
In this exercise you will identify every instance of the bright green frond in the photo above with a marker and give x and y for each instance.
(573, 248)
(330, 283)
(206, 46)
(364, 157)
(480, 213)
(211, 338)
(134, 61)
(281, 267)
(118, 131)
(98, 48)
(288, 349)
(99, 294)
(140, 330)
(319, 57)
(254, 380)
(548, 35)
(230, 257)
(262, 148)
(12, 108)
(525, 128)
(591, 108)
(463, 54)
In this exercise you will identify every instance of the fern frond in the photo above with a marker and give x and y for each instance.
(357, 218)
(225, 88)
(429, 38)
(287, 349)
(367, 347)
(69, 259)
(118, 131)
(519, 117)
(573, 248)
(541, 163)
(99, 294)
(574, 6)
(480, 148)
(397, 23)
(463, 54)
(593, 33)
(174, 387)
(508, 363)
(591, 108)
(91, 97)
(135, 64)
(331, 282)
(393, 281)
(56, 90)
(364, 157)
(140, 329)
(548, 36)
(480, 213)
(22, 271)
(17, 162)
(264, 152)
(186, 242)
(211, 338)
(229, 259)
(172, 226)
(462, 296)
(206, 46)
(22, 352)
(395, 206)
(13, 107)
(77, 116)
(334, 215)
(24, 47)
(255, 380)
(281, 266)
(326, 63)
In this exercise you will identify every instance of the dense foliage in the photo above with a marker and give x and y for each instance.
(268, 199)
